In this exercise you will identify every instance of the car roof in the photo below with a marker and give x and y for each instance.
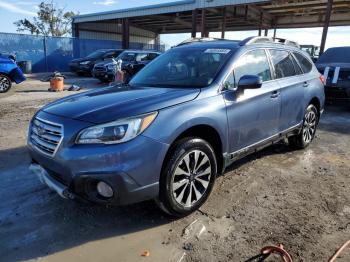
(108, 50)
(228, 44)
(140, 51)
(234, 44)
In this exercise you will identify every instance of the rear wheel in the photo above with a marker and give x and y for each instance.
(5, 83)
(308, 131)
(188, 177)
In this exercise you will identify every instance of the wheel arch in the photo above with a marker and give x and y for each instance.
(316, 102)
(6, 74)
(205, 132)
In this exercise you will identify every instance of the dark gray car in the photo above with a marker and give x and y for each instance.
(132, 62)
(334, 64)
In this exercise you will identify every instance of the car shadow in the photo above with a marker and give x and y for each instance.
(36, 222)
(275, 149)
(336, 119)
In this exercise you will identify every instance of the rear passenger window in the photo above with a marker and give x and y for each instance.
(283, 63)
(253, 63)
(296, 66)
(304, 62)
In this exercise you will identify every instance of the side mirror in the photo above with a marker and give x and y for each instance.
(250, 82)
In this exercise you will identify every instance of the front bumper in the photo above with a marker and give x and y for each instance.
(55, 185)
(132, 169)
(109, 74)
(77, 68)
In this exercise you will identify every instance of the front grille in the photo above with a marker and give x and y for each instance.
(46, 136)
(100, 69)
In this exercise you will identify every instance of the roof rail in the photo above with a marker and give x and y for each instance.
(286, 42)
(200, 39)
(265, 39)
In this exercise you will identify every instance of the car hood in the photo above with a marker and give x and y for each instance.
(321, 66)
(112, 103)
(105, 62)
(79, 60)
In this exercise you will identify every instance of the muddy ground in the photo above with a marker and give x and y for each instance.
(298, 198)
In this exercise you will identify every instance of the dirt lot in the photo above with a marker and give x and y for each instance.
(298, 198)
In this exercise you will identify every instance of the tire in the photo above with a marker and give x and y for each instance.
(5, 83)
(192, 169)
(308, 131)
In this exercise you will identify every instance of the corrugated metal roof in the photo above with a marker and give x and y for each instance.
(172, 7)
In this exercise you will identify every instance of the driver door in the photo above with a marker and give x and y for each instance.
(253, 114)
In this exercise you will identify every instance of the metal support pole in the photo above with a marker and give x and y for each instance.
(326, 25)
(223, 25)
(261, 23)
(203, 26)
(125, 33)
(274, 33)
(75, 30)
(194, 23)
(266, 32)
(45, 54)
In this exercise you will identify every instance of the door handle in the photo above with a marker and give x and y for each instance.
(275, 94)
(306, 84)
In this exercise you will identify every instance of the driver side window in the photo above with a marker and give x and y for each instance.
(251, 63)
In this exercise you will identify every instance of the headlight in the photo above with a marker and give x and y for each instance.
(117, 131)
(111, 66)
(85, 63)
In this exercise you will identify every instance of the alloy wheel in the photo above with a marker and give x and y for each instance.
(5, 84)
(309, 127)
(191, 178)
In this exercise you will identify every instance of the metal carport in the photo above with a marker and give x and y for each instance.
(147, 22)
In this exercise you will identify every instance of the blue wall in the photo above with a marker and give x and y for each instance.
(48, 54)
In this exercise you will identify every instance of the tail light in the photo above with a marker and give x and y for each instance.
(323, 80)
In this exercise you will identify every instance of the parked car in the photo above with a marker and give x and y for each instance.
(132, 62)
(9, 72)
(85, 65)
(178, 123)
(312, 50)
(334, 64)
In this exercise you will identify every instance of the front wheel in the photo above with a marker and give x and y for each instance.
(5, 83)
(308, 131)
(188, 177)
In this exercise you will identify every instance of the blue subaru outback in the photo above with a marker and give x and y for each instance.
(178, 123)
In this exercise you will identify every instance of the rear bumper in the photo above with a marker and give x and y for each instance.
(17, 75)
(340, 93)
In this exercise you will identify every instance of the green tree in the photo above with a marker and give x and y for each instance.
(50, 21)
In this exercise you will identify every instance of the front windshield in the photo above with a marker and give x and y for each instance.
(127, 56)
(183, 67)
(335, 55)
(96, 54)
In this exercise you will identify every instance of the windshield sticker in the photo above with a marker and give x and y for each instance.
(217, 51)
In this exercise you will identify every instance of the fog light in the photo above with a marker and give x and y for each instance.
(104, 189)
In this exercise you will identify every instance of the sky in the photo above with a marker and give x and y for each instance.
(13, 10)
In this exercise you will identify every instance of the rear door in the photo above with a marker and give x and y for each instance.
(292, 83)
(253, 114)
